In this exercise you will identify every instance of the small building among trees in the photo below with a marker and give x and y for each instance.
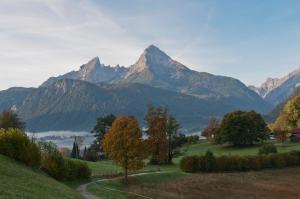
(295, 135)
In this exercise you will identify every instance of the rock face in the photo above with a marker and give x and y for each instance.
(93, 71)
(277, 90)
(74, 105)
(74, 100)
(157, 69)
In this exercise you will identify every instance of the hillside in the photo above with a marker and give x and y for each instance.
(18, 181)
(271, 117)
(75, 105)
(155, 68)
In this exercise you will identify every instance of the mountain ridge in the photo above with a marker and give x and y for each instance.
(92, 71)
(83, 102)
(74, 100)
(277, 90)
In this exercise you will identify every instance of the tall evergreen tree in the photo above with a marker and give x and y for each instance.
(172, 129)
(75, 151)
(101, 128)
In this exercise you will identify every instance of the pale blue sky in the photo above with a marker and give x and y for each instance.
(246, 39)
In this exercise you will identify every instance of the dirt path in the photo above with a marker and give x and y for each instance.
(82, 189)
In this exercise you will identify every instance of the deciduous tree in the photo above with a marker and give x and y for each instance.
(124, 144)
(282, 135)
(210, 131)
(156, 119)
(242, 128)
(9, 119)
(289, 118)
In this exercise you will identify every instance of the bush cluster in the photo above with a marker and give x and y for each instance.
(15, 144)
(60, 168)
(267, 149)
(77, 170)
(209, 163)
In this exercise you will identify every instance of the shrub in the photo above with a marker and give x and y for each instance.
(277, 160)
(52, 161)
(193, 139)
(55, 165)
(190, 164)
(209, 163)
(266, 161)
(253, 163)
(267, 149)
(15, 144)
(226, 164)
(77, 170)
(292, 159)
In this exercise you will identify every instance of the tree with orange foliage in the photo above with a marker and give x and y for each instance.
(158, 140)
(211, 130)
(124, 144)
(157, 131)
(282, 136)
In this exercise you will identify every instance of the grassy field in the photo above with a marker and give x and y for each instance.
(18, 181)
(167, 184)
(107, 167)
(269, 184)
(109, 189)
(218, 150)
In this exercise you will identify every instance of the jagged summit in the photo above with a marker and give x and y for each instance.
(154, 51)
(154, 61)
(93, 71)
(276, 90)
(91, 64)
(91, 67)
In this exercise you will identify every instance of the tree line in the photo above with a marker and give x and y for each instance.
(122, 139)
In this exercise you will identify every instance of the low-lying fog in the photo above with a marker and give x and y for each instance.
(63, 139)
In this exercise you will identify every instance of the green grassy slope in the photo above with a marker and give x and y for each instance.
(108, 167)
(218, 150)
(18, 181)
(169, 173)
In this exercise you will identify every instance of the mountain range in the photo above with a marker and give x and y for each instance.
(74, 100)
(277, 90)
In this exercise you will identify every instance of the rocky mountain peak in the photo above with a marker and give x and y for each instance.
(90, 66)
(154, 52)
(272, 83)
(155, 60)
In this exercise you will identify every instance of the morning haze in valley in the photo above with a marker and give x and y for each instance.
(149, 99)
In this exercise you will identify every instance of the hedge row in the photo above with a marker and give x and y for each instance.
(60, 168)
(210, 163)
